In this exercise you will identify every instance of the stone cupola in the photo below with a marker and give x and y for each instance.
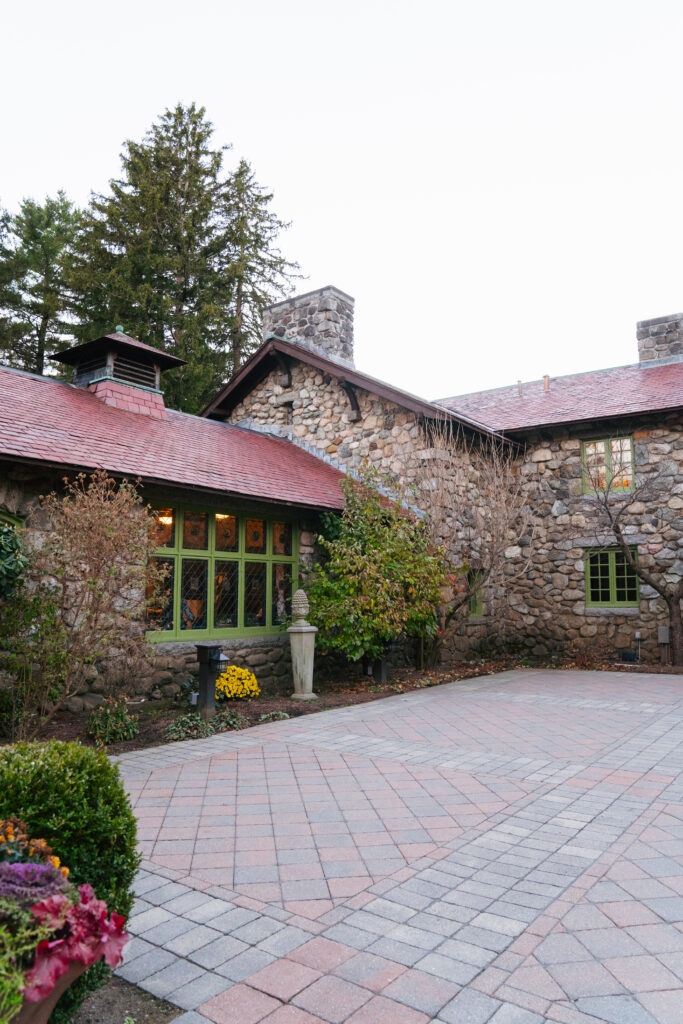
(121, 371)
(321, 320)
(661, 340)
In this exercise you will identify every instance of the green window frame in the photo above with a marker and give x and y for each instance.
(608, 464)
(610, 580)
(231, 574)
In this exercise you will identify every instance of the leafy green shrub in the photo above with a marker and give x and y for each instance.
(188, 727)
(274, 716)
(382, 575)
(193, 727)
(111, 722)
(12, 561)
(72, 797)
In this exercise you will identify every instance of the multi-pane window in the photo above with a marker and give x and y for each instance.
(608, 464)
(226, 574)
(610, 580)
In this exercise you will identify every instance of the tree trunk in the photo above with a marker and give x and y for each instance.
(237, 333)
(40, 353)
(676, 630)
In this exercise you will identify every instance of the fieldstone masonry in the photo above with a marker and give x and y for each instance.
(546, 608)
(661, 339)
(540, 605)
(543, 607)
(169, 664)
(321, 320)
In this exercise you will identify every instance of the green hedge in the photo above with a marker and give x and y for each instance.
(73, 798)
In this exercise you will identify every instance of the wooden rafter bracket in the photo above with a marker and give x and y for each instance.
(354, 415)
(285, 370)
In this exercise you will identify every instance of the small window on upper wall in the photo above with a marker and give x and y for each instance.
(196, 530)
(227, 537)
(282, 538)
(608, 465)
(164, 530)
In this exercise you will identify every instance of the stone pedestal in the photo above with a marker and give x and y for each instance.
(302, 641)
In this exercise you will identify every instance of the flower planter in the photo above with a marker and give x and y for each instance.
(39, 1013)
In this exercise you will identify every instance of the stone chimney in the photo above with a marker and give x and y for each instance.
(320, 320)
(661, 340)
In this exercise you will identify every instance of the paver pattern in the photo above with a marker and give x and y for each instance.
(504, 850)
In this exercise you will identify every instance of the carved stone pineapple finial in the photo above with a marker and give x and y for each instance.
(300, 608)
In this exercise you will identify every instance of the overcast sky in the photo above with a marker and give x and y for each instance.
(496, 182)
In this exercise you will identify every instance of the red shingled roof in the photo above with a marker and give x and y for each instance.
(601, 394)
(50, 421)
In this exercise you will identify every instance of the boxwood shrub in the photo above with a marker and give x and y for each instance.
(72, 797)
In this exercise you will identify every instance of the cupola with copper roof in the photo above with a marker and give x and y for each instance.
(121, 371)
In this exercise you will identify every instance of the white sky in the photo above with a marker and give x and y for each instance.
(497, 182)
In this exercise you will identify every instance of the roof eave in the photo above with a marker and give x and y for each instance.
(629, 414)
(364, 381)
(173, 484)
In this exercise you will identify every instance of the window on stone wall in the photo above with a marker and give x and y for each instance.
(610, 580)
(227, 575)
(608, 464)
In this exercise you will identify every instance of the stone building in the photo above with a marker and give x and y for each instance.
(238, 490)
(235, 508)
(570, 585)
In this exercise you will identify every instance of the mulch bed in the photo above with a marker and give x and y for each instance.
(118, 1000)
(155, 715)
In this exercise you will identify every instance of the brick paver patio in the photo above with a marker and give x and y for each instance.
(504, 850)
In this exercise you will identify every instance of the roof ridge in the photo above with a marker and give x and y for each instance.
(539, 380)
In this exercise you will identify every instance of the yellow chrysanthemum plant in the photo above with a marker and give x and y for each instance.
(237, 684)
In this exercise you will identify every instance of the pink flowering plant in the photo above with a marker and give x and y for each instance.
(46, 923)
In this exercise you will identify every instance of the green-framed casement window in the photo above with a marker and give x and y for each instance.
(610, 580)
(608, 465)
(228, 574)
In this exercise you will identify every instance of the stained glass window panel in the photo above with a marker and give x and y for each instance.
(282, 538)
(254, 594)
(193, 593)
(196, 530)
(256, 537)
(164, 527)
(226, 595)
(282, 594)
(227, 538)
(160, 603)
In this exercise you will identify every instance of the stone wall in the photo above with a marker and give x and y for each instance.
(169, 664)
(380, 434)
(537, 603)
(321, 320)
(547, 608)
(661, 338)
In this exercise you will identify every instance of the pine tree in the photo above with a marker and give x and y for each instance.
(35, 247)
(259, 271)
(159, 255)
